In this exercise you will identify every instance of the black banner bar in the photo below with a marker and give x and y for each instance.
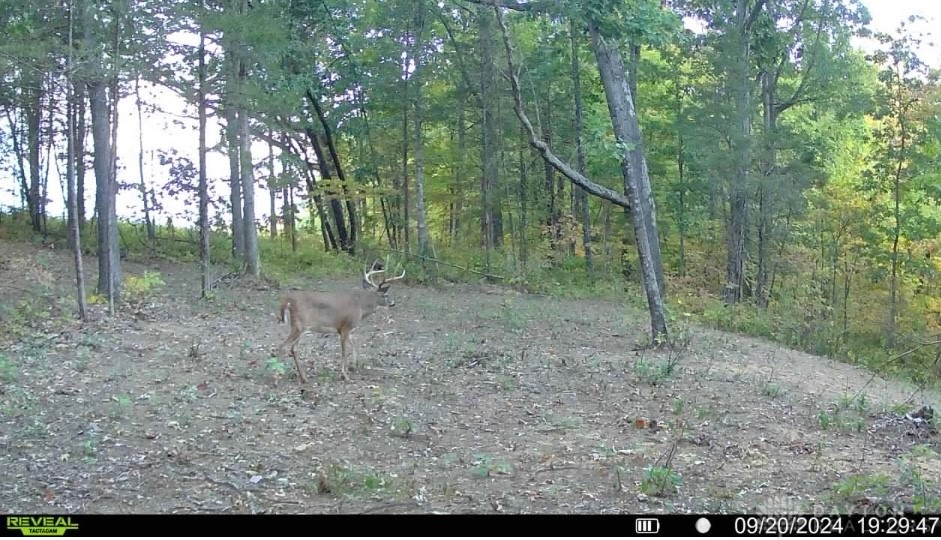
(421, 525)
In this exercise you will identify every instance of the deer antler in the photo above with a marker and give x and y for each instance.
(390, 280)
(367, 274)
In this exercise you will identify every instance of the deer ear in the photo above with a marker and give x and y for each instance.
(367, 285)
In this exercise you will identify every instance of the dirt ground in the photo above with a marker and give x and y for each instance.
(469, 399)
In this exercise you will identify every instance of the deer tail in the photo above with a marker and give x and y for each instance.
(284, 306)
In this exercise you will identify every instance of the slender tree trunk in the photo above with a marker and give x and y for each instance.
(273, 195)
(524, 199)
(405, 138)
(287, 210)
(148, 221)
(232, 130)
(896, 236)
(204, 257)
(80, 135)
(248, 184)
(492, 232)
(581, 198)
(422, 230)
(552, 225)
(460, 175)
(336, 209)
(350, 244)
(33, 110)
(75, 238)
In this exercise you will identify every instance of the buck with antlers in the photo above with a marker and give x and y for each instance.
(339, 312)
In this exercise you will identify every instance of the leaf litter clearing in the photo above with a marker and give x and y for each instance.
(467, 400)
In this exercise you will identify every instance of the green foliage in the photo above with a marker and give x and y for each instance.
(660, 481)
(137, 289)
(8, 370)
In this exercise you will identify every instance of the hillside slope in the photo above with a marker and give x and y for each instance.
(469, 400)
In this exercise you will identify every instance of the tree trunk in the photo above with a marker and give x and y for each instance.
(634, 170)
(460, 171)
(336, 209)
(81, 132)
(524, 200)
(33, 109)
(891, 333)
(741, 156)
(350, 244)
(489, 179)
(252, 258)
(109, 260)
(552, 225)
(75, 239)
(232, 130)
(287, 210)
(273, 195)
(204, 257)
(422, 230)
(406, 226)
(581, 198)
(765, 190)
(148, 222)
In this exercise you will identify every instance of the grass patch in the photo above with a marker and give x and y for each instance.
(660, 481)
(485, 466)
(345, 481)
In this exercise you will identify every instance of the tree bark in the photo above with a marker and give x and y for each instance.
(204, 257)
(491, 222)
(422, 224)
(581, 198)
(336, 209)
(232, 130)
(634, 171)
(350, 244)
(148, 222)
(272, 194)
(81, 132)
(611, 66)
(75, 239)
(33, 112)
(252, 259)
(741, 154)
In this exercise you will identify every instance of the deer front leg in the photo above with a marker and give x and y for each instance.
(292, 340)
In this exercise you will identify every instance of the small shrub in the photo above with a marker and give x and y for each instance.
(660, 481)
(136, 289)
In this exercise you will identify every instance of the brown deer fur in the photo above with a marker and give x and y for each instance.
(339, 312)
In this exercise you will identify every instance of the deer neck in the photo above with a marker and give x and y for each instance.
(368, 302)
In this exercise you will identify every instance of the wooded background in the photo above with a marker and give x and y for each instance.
(760, 175)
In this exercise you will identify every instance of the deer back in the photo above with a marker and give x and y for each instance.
(332, 310)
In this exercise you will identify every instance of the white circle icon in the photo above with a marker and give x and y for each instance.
(703, 525)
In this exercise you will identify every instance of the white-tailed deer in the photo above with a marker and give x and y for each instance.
(339, 312)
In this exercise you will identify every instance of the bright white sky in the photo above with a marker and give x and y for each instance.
(164, 132)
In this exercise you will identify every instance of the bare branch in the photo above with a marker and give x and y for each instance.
(540, 6)
(540, 145)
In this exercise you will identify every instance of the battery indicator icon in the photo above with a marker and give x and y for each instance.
(647, 526)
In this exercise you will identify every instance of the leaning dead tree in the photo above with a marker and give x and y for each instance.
(637, 198)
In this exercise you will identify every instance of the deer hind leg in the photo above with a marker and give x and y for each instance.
(344, 346)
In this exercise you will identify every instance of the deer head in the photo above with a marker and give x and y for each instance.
(383, 287)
